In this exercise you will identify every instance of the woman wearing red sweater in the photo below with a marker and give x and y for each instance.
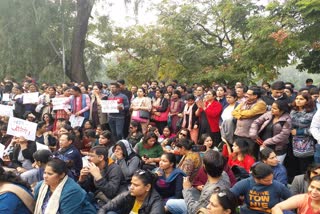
(209, 111)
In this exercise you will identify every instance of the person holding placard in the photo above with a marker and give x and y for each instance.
(96, 115)
(80, 103)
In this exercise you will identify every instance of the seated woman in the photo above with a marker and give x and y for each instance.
(149, 150)
(166, 134)
(126, 158)
(41, 158)
(268, 156)
(191, 161)
(21, 156)
(260, 191)
(169, 144)
(272, 129)
(206, 141)
(222, 202)
(240, 156)
(141, 197)
(58, 193)
(304, 203)
(15, 194)
(300, 183)
(135, 133)
(169, 182)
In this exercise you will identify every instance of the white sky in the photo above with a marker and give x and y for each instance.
(124, 16)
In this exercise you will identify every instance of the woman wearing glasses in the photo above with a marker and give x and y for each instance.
(304, 203)
(141, 198)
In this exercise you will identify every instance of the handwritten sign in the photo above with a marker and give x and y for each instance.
(109, 106)
(6, 97)
(18, 128)
(59, 103)
(30, 97)
(76, 121)
(6, 111)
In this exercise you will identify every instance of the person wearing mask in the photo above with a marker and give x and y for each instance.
(141, 198)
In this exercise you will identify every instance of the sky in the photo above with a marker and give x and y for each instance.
(124, 16)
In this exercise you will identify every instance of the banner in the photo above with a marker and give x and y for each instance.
(30, 97)
(6, 110)
(76, 121)
(59, 103)
(18, 128)
(109, 106)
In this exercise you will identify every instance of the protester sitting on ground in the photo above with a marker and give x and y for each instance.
(15, 194)
(193, 201)
(126, 158)
(149, 150)
(190, 162)
(101, 177)
(268, 156)
(169, 144)
(70, 154)
(206, 141)
(300, 183)
(41, 158)
(169, 181)
(304, 203)
(58, 193)
(21, 156)
(221, 202)
(43, 136)
(141, 198)
(240, 157)
(166, 134)
(135, 133)
(260, 191)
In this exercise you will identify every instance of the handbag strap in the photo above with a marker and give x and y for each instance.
(24, 196)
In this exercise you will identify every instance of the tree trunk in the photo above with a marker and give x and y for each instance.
(77, 72)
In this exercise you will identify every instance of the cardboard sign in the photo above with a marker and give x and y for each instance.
(30, 97)
(6, 110)
(18, 128)
(6, 97)
(76, 121)
(109, 106)
(59, 103)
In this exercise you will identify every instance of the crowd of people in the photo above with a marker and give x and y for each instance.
(175, 148)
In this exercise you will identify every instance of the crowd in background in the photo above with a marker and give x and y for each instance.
(175, 148)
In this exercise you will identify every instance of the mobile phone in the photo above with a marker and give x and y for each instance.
(199, 148)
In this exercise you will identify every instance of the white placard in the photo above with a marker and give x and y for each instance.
(31, 97)
(1, 150)
(109, 106)
(6, 97)
(18, 128)
(59, 103)
(76, 121)
(6, 110)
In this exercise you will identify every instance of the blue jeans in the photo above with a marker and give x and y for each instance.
(116, 126)
(317, 154)
(177, 206)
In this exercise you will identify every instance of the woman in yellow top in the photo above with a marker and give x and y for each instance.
(141, 198)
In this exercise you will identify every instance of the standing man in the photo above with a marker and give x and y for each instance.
(246, 113)
(125, 91)
(117, 120)
(277, 93)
